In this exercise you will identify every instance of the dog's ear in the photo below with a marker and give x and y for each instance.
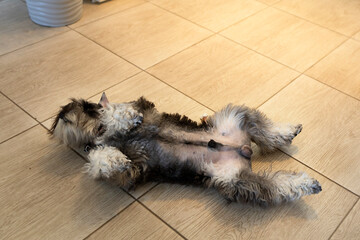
(103, 100)
(246, 151)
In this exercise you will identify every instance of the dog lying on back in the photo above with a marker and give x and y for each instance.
(132, 142)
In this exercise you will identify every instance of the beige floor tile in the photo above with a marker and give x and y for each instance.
(44, 194)
(136, 222)
(214, 14)
(338, 15)
(203, 214)
(166, 99)
(330, 139)
(349, 229)
(285, 38)
(217, 71)
(13, 120)
(43, 76)
(93, 12)
(142, 189)
(340, 69)
(49, 122)
(269, 2)
(145, 34)
(16, 28)
(357, 36)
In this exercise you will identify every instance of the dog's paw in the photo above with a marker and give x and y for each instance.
(292, 185)
(315, 187)
(106, 161)
(308, 185)
(298, 129)
(138, 119)
(288, 132)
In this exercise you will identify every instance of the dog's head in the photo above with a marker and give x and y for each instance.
(78, 122)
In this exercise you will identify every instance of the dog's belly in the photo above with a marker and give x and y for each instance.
(236, 137)
(191, 146)
(206, 161)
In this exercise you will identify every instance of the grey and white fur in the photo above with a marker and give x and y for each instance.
(132, 143)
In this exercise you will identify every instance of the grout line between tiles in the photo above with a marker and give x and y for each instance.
(318, 172)
(211, 35)
(19, 107)
(38, 124)
(145, 70)
(122, 81)
(142, 204)
(81, 156)
(173, 13)
(302, 163)
(75, 30)
(143, 194)
(298, 159)
(183, 50)
(263, 9)
(326, 55)
(271, 4)
(253, 50)
(72, 149)
(219, 34)
(332, 87)
(101, 91)
(343, 219)
(98, 19)
(19, 133)
(136, 200)
(179, 91)
(28, 45)
(122, 210)
(117, 214)
(307, 20)
(352, 36)
(41, 123)
(357, 40)
(279, 90)
(267, 6)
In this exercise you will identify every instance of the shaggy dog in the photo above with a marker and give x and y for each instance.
(132, 142)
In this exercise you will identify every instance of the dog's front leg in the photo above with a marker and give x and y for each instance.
(105, 161)
(267, 189)
(110, 164)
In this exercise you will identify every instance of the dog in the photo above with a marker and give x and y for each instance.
(130, 143)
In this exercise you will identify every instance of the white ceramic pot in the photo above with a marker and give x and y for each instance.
(54, 13)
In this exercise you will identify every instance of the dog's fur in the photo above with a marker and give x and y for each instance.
(132, 142)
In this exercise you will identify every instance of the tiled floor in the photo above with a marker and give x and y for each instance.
(297, 61)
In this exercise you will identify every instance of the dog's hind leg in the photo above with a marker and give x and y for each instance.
(261, 130)
(111, 164)
(266, 134)
(266, 189)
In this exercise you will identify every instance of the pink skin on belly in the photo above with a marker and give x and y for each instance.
(225, 164)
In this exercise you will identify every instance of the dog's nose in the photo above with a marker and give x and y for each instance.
(87, 148)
